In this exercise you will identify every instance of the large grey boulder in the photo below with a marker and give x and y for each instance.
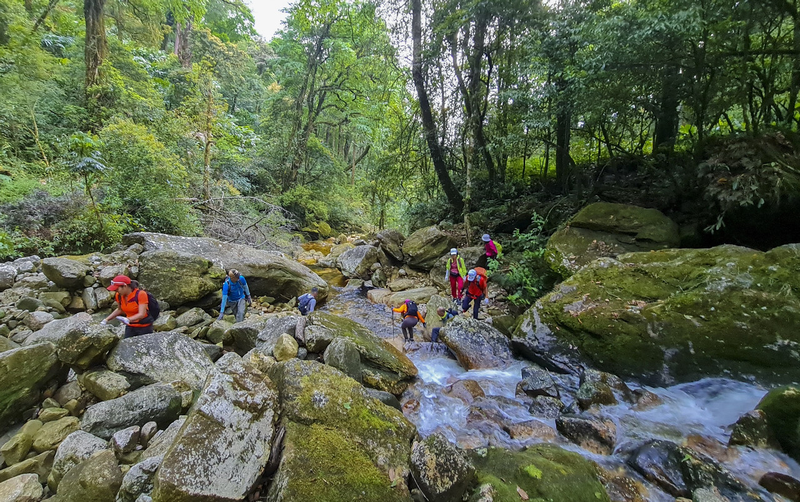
(425, 246)
(604, 229)
(443, 471)
(476, 344)
(244, 335)
(22, 488)
(334, 429)
(96, 479)
(180, 270)
(160, 403)
(65, 272)
(225, 443)
(162, 357)
(7, 276)
(75, 448)
(419, 295)
(23, 373)
(392, 243)
(272, 330)
(357, 262)
(81, 342)
(383, 366)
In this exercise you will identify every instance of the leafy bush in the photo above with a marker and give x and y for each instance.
(84, 233)
(305, 204)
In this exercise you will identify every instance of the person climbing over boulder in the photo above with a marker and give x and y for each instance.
(444, 315)
(133, 308)
(490, 251)
(307, 302)
(455, 272)
(476, 288)
(411, 315)
(235, 291)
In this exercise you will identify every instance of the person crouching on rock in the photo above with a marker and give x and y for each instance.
(476, 291)
(307, 302)
(133, 307)
(235, 291)
(411, 315)
(444, 315)
(455, 273)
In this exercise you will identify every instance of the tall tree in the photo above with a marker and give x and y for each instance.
(96, 47)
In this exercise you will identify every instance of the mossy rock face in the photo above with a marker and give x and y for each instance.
(782, 409)
(81, 342)
(182, 270)
(383, 366)
(96, 479)
(543, 472)
(606, 229)
(674, 315)
(23, 373)
(425, 246)
(339, 440)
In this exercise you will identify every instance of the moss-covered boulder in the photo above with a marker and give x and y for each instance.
(17, 448)
(542, 472)
(225, 443)
(23, 374)
(782, 409)
(96, 479)
(383, 366)
(340, 443)
(23, 488)
(76, 448)
(606, 229)
(181, 270)
(675, 315)
(81, 342)
(441, 469)
(425, 246)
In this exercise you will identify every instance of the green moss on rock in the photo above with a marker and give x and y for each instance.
(782, 409)
(545, 472)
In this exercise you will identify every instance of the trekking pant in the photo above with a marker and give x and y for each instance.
(456, 283)
(407, 327)
(476, 304)
(137, 330)
(238, 308)
(435, 335)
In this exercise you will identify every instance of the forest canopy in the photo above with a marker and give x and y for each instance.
(177, 117)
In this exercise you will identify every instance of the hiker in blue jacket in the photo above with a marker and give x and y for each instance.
(235, 291)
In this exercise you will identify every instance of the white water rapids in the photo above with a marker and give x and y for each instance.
(698, 413)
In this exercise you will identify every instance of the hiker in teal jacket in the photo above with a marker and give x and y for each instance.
(235, 291)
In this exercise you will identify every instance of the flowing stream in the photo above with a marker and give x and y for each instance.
(698, 413)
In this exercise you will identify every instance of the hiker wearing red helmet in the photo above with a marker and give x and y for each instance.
(133, 309)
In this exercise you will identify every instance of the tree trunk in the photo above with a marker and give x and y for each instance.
(182, 47)
(667, 118)
(437, 156)
(96, 46)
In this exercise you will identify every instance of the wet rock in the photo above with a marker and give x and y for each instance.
(125, 441)
(781, 484)
(541, 472)
(597, 388)
(23, 373)
(76, 448)
(17, 448)
(646, 400)
(285, 348)
(159, 403)
(138, 480)
(81, 342)
(23, 488)
(106, 384)
(328, 418)
(782, 409)
(386, 398)
(546, 407)
(672, 315)
(592, 434)
(466, 390)
(531, 429)
(162, 357)
(357, 262)
(96, 479)
(230, 428)
(383, 366)
(39, 465)
(422, 248)
(391, 242)
(752, 429)
(681, 471)
(65, 272)
(343, 355)
(51, 434)
(622, 486)
(181, 270)
(537, 381)
(475, 344)
(441, 469)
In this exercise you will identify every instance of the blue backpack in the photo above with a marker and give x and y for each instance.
(303, 305)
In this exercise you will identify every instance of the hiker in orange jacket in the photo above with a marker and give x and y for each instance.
(475, 289)
(411, 315)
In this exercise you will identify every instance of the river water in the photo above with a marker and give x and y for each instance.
(699, 413)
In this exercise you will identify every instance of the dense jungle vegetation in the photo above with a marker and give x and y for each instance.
(175, 116)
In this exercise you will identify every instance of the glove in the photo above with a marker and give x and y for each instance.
(221, 315)
(248, 300)
(124, 320)
(103, 322)
(486, 301)
(424, 325)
